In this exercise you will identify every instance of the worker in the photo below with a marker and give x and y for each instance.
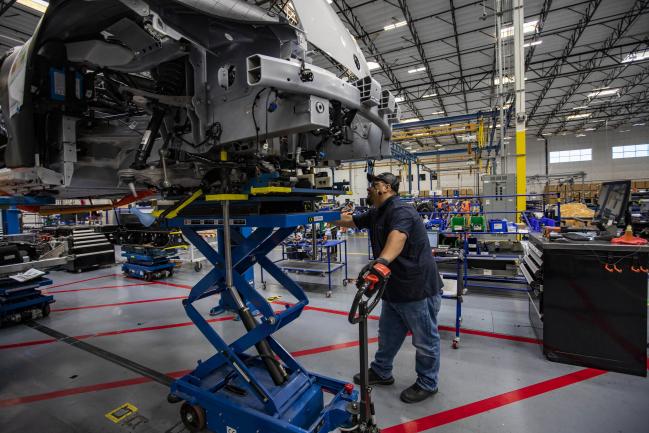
(412, 297)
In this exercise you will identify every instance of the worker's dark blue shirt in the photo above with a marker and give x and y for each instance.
(414, 272)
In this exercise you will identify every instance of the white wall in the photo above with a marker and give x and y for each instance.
(602, 167)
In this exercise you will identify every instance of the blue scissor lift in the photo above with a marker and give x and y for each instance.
(233, 391)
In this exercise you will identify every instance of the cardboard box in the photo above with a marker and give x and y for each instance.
(424, 193)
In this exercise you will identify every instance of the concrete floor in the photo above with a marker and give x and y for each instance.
(492, 383)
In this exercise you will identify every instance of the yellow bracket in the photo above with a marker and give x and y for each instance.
(184, 204)
(270, 190)
(226, 197)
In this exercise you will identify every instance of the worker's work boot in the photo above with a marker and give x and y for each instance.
(415, 394)
(374, 379)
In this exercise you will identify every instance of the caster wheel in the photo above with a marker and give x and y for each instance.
(263, 286)
(148, 277)
(46, 310)
(328, 295)
(170, 273)
(455, 344)
(198, 266)
(193, 417)
(344, 283)
(173, 399)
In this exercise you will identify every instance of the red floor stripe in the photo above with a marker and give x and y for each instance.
(69, 283)
(73, 391)
(331, 347)
(492, 334)
(51, 292)
(166, 283)
(110, 333)
(26, 343)
(441, 327)
(116, 304)
(136, 381)
(478, 407)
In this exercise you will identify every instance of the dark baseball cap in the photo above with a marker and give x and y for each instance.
(388, 178)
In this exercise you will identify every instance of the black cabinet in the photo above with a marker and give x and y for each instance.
(588, 315)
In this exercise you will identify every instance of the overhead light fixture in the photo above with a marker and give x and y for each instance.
(372, 66)
(578, 116)
(603, 92)
(580, 108)
(636, 57)
(399, 99)
(589, 129)
(532, 44)
(436, 112)
(438, 145)
(547, 134)
(444, 124)
(528, 27)
(506, 80)
(38, 5)
(429, 95)
(412, 119)
(394, 26)
(580, 135)
(625, 130)
(414, 71)
(639, 124)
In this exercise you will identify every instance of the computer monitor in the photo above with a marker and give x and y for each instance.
(613, 202)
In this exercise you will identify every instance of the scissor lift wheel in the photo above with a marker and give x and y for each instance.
(193, 417)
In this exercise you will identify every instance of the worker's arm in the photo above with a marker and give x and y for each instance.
(393, 246)
(346, 220)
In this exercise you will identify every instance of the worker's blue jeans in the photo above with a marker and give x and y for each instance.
(419, 317)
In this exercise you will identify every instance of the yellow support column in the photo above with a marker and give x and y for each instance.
(521, 173)
(519, 85)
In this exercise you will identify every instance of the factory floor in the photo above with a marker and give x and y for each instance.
(497, 381)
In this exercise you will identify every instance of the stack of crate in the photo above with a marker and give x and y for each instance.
(462, 192)
(639, 185)
(586, 192)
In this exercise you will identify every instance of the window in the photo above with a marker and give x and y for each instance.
(422, 177)
(571, 155)
(632, 151)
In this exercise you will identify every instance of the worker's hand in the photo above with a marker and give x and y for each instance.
(372, 269)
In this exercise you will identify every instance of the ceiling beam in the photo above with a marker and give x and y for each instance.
(350, 18)
(422, 54)
(459, 56)
(572, 43)
(639, 7)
